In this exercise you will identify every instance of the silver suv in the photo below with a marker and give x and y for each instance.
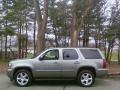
(81, 64)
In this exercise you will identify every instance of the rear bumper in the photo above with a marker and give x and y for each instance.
(10, 74)
(101, 72)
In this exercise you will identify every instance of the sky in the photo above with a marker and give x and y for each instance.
(111, 1)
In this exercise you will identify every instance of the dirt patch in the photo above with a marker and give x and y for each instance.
(3, 67)
(114, 68)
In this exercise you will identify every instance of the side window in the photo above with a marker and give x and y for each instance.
(70, 54)
(91, 54)
(51, 55)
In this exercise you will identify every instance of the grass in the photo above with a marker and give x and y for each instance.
(30, 55)
(114, 56)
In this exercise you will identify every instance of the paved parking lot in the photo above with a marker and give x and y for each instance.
(100, 84)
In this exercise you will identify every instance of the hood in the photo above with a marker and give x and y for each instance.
(19, 60)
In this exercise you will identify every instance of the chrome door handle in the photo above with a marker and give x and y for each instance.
(77, 62)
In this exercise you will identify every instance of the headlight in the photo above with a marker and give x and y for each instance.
(10, 65)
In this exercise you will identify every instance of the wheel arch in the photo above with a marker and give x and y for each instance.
(22, 68)
(92, 69)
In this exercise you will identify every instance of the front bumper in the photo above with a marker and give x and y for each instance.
(10, 74)
(101, 72)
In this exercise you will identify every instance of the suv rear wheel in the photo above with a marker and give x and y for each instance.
(23, 77)
(85, 78)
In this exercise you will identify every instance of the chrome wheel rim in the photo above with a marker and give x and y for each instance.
(86, 79)
(22, 78)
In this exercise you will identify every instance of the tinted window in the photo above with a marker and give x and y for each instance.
(91, 53)
(70, 54)
(51, 55)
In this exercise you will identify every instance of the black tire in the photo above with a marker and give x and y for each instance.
(86, 78)
(23, 78)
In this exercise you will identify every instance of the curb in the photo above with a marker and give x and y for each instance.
(114, 74)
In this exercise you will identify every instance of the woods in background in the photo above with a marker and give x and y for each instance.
(39, 24)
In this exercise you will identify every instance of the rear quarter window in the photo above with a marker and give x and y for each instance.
(91, 54)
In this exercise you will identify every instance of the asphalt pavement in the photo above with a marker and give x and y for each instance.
(100, 84)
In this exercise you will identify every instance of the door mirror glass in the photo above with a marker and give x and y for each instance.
(41, 57)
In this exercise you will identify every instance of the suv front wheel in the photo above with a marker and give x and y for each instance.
(23, 77)
(85, 78)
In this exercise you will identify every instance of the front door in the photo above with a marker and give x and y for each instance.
(49, 65)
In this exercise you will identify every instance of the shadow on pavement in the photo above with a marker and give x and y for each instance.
(53, 82)
(98, 83)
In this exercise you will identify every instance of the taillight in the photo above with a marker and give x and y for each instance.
(104, 63)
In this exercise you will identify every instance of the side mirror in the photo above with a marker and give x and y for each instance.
(41, 58)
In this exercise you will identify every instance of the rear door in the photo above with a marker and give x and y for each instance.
(69, 62)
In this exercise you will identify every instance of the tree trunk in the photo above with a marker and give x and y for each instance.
(108, 52)
(74, 31)
(42, 23)
(119, 51)
(34, 35)
(105, 50)
(1, 48)
(6, 47)
(56, 37)
(110, 57)
(26, 35)
(26, 41)
(77, 23)
(96, 43)
(119, 55)
(13, 55)
(74, 38)
(19, 39)
(84, 36)
(87, 35)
